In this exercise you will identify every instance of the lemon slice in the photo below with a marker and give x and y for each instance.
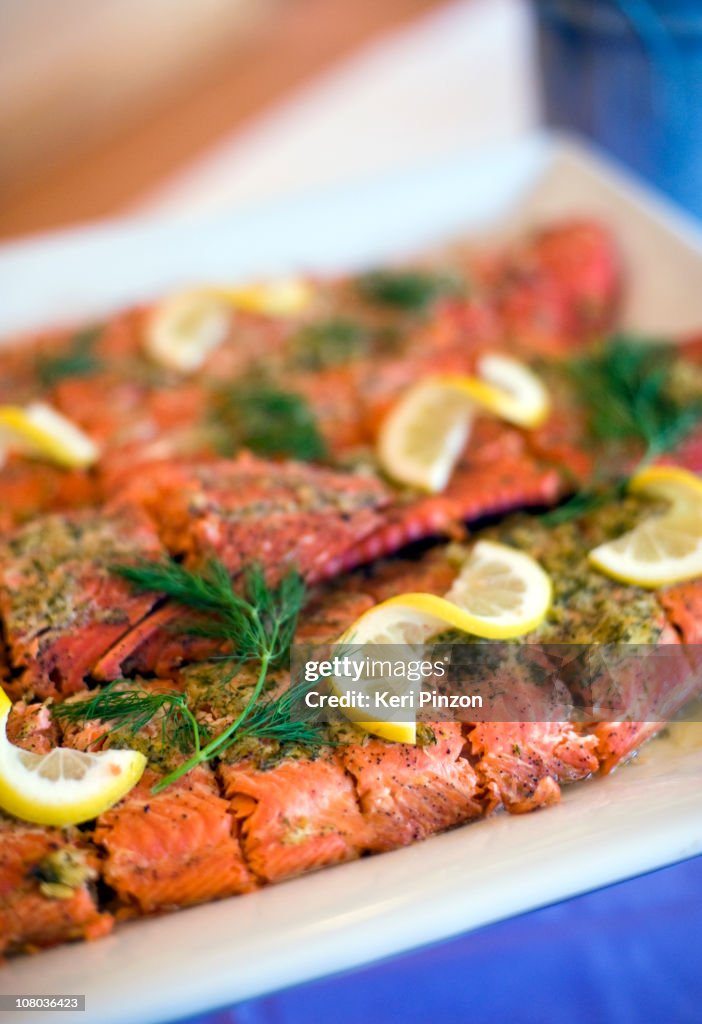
(678, 486)
(500, 593)
(63, 787)
(185, 328)
(505, 592)
(284, 297)
(42, 432)
(505, 387)
(424, 434)
(666, 548)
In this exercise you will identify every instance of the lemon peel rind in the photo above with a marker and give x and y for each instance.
(130, 765)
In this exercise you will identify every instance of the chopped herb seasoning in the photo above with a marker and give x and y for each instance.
(329, 343)
(268, 421)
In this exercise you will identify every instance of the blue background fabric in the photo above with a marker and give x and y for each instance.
(627, 954)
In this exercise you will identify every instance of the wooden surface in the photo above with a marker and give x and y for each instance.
(304, 38)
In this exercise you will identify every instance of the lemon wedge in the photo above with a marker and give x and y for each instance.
(500, 593)
(63, 787)
(42, 432)
(183, 329)
(424, 434)
(665, 548)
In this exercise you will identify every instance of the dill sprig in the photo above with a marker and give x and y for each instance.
(626, 388)
(79, 359)
(583, 502)
(267, 420)
(283, 719)
(130, 710)
(329, 343)
(259, 622)
(410, 290)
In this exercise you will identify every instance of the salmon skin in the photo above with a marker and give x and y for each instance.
(313, 516)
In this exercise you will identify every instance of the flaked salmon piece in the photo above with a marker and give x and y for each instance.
(46, 892)
(173, 849)
(618, 741)
(61, 605)
(92, 735)
(32, 727)
(311, 514)
(525, 762)
(297, 812)
(668, 683)
(408, 793)
(682, 604)
(297, 816)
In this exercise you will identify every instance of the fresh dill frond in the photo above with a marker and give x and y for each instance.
(130, 710)
(335, 342)
(583, 502)
(285, 719)
(259, 621)
(267, 420)
(626, 389)
(410, 290)
(78, 360)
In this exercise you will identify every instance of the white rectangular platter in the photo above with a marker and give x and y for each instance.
(648, 814)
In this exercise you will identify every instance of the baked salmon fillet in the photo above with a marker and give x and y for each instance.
(263, 457)
(61, 605)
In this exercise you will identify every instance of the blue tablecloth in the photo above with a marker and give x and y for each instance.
(628, 954)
